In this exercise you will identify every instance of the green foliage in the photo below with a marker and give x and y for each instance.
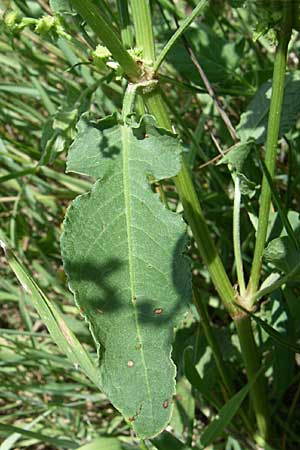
(253, 123)
(271, 12)
(60, 6)
(282, 253)
(219, 58)
(133, 356)
(131, 283)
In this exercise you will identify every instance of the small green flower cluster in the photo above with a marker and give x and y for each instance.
(45, 25)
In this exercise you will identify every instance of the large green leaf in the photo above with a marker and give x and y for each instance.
(123, 253)
(254, 121)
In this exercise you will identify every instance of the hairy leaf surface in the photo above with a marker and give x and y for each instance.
(123, 253)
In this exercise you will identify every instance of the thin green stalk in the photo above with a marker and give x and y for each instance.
(183, 181)
(237, 236)
(143, 445)
(143, 27)
(186, 23)
(271, 148)
(253, 365)
(218, 357)
(91, 14)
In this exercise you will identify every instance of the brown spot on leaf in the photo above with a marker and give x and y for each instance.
(131, 419)
(81, 310)
(66, 333)
(166, 404)
(146, 136)
(158, 311)
(130, 363)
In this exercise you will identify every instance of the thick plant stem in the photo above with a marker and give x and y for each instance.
(252, 365)
(194, 214)
(208, 252)
(218, 357)
(205, 244)
(271, 150)
(143, 27)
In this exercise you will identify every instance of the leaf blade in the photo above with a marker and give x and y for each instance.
(54, 321)
(123, 253)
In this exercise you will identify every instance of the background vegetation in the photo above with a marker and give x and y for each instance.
(51, 72)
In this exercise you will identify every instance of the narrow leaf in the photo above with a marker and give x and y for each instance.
(52, 318)
(186, 23)
(281, 211)
(123, 253)
(194, 377)
(225, 415)
(41, 437)
(167, 441)
(286, 343)
(102, 443)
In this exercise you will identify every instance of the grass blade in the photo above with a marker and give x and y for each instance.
(226, 414)
(273, 333)
(185, 24)
(104, 443)
(56, 442)
(52, 318)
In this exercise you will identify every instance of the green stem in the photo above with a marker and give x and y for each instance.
(218, 357)
(143, 445)
(252, 365)
(271, 149)
(143, 26)
(208, 251)
(194, 214)
(186, 23)
(237, 236)
(183, 181)
(91, 14)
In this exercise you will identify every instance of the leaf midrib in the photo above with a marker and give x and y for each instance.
(126, 188)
